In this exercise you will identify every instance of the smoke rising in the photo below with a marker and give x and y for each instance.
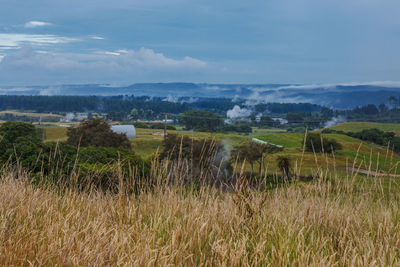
(238, 112)
(69, 117)
(334, 121)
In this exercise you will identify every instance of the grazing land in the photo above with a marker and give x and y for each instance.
(365, 155)
(359, 126)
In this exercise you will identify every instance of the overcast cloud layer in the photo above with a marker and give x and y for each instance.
(125, 41)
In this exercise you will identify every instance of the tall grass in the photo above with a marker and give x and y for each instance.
(329, 221)
(334, 220)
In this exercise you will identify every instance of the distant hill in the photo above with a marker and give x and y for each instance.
(335, 96)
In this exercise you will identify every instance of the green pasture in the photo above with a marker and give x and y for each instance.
(357, 152)
(359, 126)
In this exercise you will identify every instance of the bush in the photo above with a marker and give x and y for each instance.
(104, 163)
(239, 128)
(200, 129)
(297, 130)
(96, 133)
(204, 160)
(161, 126)
(201, 118)
(328, 145)
(139, 124)
(294, 117)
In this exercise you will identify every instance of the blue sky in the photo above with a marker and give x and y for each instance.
(269, 41)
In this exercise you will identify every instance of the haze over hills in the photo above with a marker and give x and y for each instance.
(335, 96)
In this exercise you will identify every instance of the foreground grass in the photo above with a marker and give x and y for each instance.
(337, 223)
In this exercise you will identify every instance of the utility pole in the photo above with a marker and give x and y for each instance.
(165, 127)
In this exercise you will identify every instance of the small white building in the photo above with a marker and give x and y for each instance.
(129, 130)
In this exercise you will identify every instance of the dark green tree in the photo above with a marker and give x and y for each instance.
(267, 121)
(201, 118)
(393, 101)
(316, 143)
(327, 113)
(383, 108)
(254, 152)
(294, 117)
(96, 132)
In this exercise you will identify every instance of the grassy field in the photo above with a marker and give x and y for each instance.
(339, 218)
(56, 133)
(365, 155)
(327, 222)
(30, 114)
(359, 126)
(369, 156)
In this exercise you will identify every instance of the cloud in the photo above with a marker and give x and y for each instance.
(94, 37)
(35, 24)
(331, 86)
(10, 41)
(31, 66)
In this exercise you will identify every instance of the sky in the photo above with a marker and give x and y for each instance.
(260, 41)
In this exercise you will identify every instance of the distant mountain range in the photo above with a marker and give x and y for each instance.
(335, 96)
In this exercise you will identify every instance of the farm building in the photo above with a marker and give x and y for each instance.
(129, 130)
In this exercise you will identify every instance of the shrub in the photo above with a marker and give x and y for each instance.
(96, 133)
(201, 118)
(202, 159)
(254, 152)
(294, 117)
(313, 144)
(161, 126)
(139, 124)
(239, 128)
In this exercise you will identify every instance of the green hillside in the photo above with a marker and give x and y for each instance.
(359, 126)
(369, 155)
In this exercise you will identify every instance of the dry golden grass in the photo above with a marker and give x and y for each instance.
(337, 222)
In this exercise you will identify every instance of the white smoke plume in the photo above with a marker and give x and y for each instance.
(172, 99)
(334, 121)
(238, 112)
(69, 117)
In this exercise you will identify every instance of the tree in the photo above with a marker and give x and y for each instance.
(316, 143)
(393, 100)
(11, 130)
(134, 115)
(369, 109)
(96, 133)
(267, 121)
(326, 113)
(201, 118)
(205, 158)
(294, 117)
(254, 152)
(115, 116)
(20, 142)
(383, 108)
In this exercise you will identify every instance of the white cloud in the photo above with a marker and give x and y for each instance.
(35, 24)
(112, 53)
(94, 37)
(17, 40)
(330, 86)
(32, 66)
